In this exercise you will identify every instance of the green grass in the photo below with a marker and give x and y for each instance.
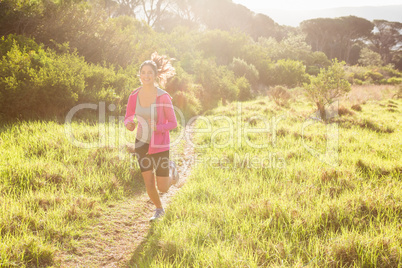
(51, 189)
(277, 206)
(290, 210)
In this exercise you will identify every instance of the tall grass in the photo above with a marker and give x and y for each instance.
(290, 210)
(50, 189)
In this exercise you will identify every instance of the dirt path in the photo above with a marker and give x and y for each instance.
(122, 228)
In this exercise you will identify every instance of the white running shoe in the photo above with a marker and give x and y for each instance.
(159, 212)
(173, 173)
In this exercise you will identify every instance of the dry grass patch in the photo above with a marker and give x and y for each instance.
(360, 94)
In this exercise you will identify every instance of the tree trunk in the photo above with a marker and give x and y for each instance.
(321, 108)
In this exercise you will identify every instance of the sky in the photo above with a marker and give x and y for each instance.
(311, 4)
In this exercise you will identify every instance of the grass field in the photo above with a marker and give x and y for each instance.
(280, 206)
(244, 206)
(52, 186)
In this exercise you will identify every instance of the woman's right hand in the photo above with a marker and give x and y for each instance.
(130, 126)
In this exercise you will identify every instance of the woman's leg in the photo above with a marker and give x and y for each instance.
(149, 181)
(163, 178)
(164, 183)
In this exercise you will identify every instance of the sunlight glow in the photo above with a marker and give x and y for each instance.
(312, 4)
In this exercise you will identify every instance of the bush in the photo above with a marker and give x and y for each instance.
(187, 103)
(242, 68)
(223, 45)
(357, 107)
(35, 82)
(357, 82)
(288, 72)
(280, 96)
(244, 89)
(219, 83)
(369, 58)
(374, 76)
(313, 70)
(394, 81)
(327, 85)
(384, 75)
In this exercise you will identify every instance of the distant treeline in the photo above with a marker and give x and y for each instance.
(55, 54)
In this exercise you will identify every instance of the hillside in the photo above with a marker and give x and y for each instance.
(294, 17)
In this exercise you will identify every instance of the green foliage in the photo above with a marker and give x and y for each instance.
(37, 82)
(394, 81)
(317, 59)
(222, 45)
(336, 37)
(327, 85)
(218, 82)
(187, 102)
(184, 93)
(287, 72)
(372, 75)
(357, 82)
(32, 81)
(369, 57)
(115, 46)
(242, 68)
(244, 89)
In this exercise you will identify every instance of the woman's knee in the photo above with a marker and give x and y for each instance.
(163, 184)
(163, 188)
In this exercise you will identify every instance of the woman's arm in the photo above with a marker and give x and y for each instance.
(130, 113)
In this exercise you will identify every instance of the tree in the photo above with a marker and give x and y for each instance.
(264, 26)
(154, 10)
(126, 8)
(387, 40)
(223, 45)
(19, 17)
(353, 29)
(336, 37)
(321, 34)
(327, 85)
(369, 57)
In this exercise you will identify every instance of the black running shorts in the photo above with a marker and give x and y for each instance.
(158, 162)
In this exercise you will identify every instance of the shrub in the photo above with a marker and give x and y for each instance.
(244, 89)
(313, 70)
(219, 83)
(242, 68)
(187, 103)
(288, 73)
(280, 96)
(344, 111)
(394, 81)
(369, 58)
(35, 82)
(373, 75)
(357, 82)
(357, 107)
(327, 85)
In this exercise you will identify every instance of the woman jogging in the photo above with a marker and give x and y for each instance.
(153, 109)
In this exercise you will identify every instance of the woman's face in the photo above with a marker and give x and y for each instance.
(147, 75)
